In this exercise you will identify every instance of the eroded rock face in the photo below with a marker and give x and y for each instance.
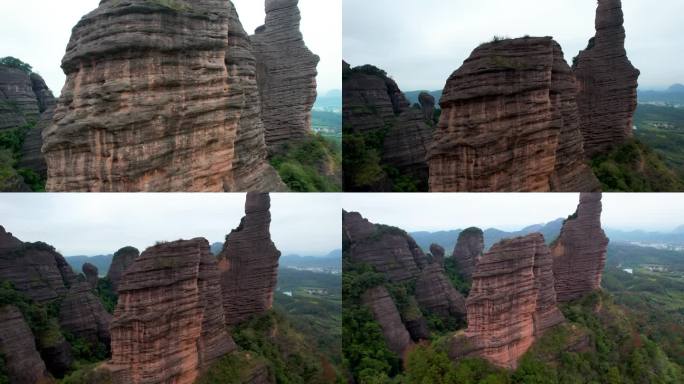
(608, 83)
(123, 258)
(22, 361)
(82, 314)
(579, 253)
(18, 101)
(511, 303)
(286, 71)
(427, 104)
(158, 98)
(31, 151)
(406, 145)
(468, 251)
(91, 275)
(385, 312)
(510, 123)
(35, 269)
(389, 250)
(437, 252)
(437, 295)
(169, 324)
(249, 263)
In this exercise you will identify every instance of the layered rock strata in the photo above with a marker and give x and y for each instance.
(437, 252)
(91, 274)
(22, 362)
(385, 312)
(168, 325)
(249, 263)
(579, 253)
(158, 97)
(509, 122)
(511, 303)
(406, 144)
(436, 294)
(19, 103)
(286, 74)
(468, 251)
(607, 83)
(82, 314)
(427, 104)
(123, 258)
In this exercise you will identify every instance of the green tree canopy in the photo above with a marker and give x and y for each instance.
(13, 62)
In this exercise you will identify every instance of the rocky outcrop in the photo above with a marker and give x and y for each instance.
(123, 258)
(46, 100)
(91, 274)
(381, 305)
(437, 252)
(406, 144)
(18, 348)
(468, 251)
(34, 269)
(81, 313)
(509, 122)
(436, 294)
(31, 151)
(159, 96)
(286, 74)
(18, 101)
(168, 323)
(607, 83)
(579, 253)
(389, 250)
(249, 263)
(511, 303)
(427, 104)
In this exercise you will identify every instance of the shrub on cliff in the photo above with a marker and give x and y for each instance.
(313, 165)
(13, 62)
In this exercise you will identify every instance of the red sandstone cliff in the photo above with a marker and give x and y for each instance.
(18, 348)
(123, 258)
(385, 312)
(468, 251)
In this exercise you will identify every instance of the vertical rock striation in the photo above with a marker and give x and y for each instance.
(168, 324)
(579, 253)
(512, 301)
(385, 312)
(427, 104)
(608, 83)
(159, 96)
(18, 101)
(508, 123)
(436, 294)
(286, 74)
(249, 263)
(123, 258)
(18, 348)
(468, 251)
(82, 314)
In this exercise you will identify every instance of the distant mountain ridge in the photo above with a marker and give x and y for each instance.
(412, 96)
(102, 262)
(673, 95)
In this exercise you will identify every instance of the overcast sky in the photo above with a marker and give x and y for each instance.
(96, 223)
(420, 43)
(37, 32)
(510, 212)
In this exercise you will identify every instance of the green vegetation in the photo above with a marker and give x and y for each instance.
(662, 128)
(327, 124)
(11, 176)
(13, 62)
(235, 368)
(87, 373)
(456, 278)
(37, 316)
(313, 165)
(634, 167)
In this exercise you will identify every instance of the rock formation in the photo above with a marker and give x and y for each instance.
(82, 314)
(389, 250)
(18, 348)
(123, 258)
(406, 144)
(468, 251)
(381, 305)
(35, 269)
(249, 263)
(509, 122)
(159, 96)
(168, 324)
(437, 252)
(436, 294)
(427, 104)
(91, 275)
(286, 74)
(511, 303)
(19, 103)
(579, 253)
(607, 83)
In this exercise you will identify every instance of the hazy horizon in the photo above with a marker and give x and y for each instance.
(513, 211)
(420, 44)
(94, 224)
(37, 32)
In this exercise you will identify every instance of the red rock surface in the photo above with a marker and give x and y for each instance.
(286, 74)
(249, 263)
(159, 98)
(169, 324)
(385, 312)
(579, 253)
(511, 303)
(468, 251)
(18, 348)
(508, 123)
(123, 258)
(82, 314)
(608, 83)
(91, 274)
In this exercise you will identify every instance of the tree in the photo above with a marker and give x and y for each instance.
(13, 62)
